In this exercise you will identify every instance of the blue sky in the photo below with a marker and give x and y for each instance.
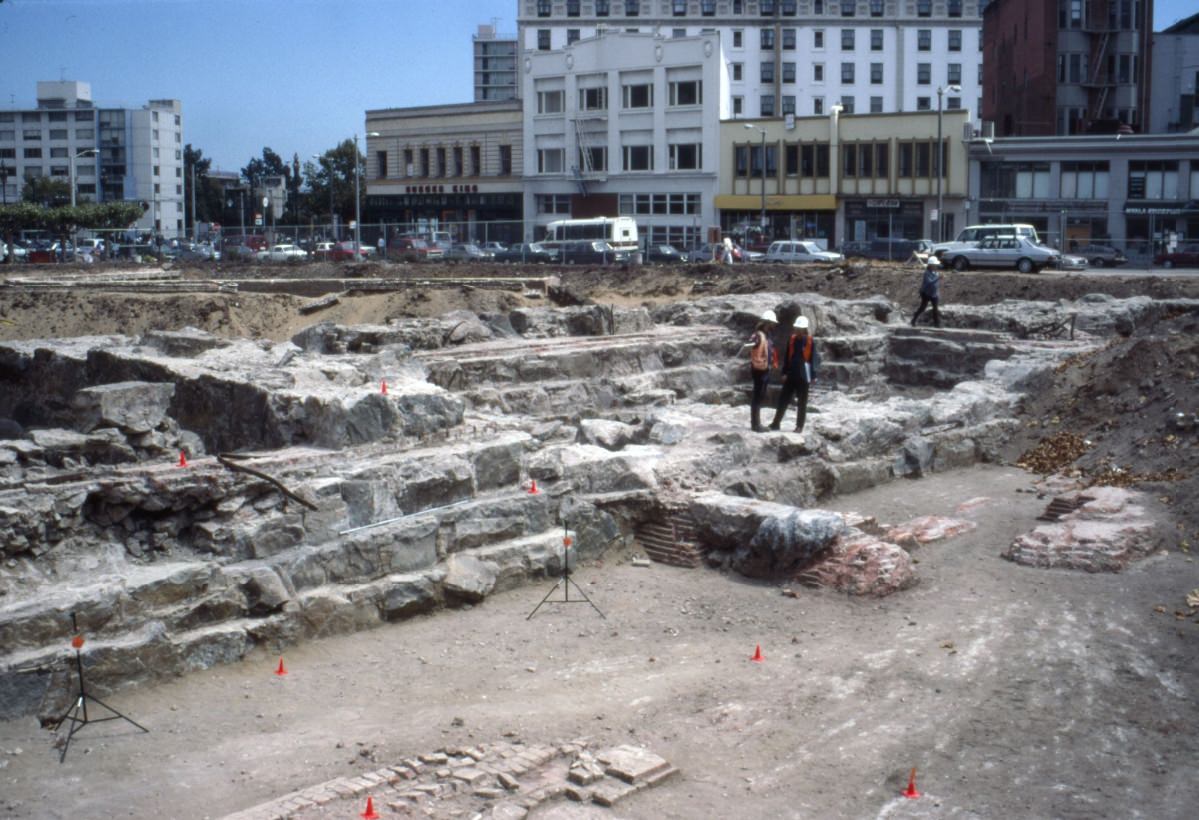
(294, 75)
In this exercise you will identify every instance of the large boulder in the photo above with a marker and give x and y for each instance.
(133, 407)
(468, 579)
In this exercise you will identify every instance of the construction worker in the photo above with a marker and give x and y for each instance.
(930, 290)
(762, 357)
(800, 362)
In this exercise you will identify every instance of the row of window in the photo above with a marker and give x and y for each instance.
(32, 135)
(766, 8)
(1124, 15)
(630, 204)
(924, 73)
(788, 38)
(682, 93)
(865, 160)
(680, 157)
(1147, 179)
(1075, 67)
(848, 103)
(443, 163)
(46, 116)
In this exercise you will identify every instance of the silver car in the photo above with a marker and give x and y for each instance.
(1017, 252)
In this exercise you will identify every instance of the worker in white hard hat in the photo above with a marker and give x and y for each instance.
(930, 290)
(800, 362)
(762, 357)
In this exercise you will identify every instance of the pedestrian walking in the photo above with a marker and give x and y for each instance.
(930, 290)
(728, 251)
(801, 361)
(762, 357)
(382, 246)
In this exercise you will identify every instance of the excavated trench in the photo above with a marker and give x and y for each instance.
(387, 470)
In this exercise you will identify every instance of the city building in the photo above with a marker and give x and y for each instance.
(845, 177)
(1067, 67)
(1132, 191)
(1175, 84)
(110, 154)
(797, 56)
(495, 65)
(625, 124)
(446, 167)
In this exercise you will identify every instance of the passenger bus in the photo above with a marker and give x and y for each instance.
(618, 231)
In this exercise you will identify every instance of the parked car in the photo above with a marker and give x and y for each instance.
(323, 250)
(282, 253)
(798, 251)
(1101, 256)
(1017, 252)
(663, 254)
(971, 236)
(1184, 256)
(467, 252)
(493, 248)
(594, 252)
(347, 252)
(414, 247)
(1070, 261)
(529, 252)
(711, 252)
(899, 250)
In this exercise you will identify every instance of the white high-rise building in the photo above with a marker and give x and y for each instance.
(119, 154)
(799, 56)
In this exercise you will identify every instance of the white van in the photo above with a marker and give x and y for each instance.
(796, 250)
(972, 235)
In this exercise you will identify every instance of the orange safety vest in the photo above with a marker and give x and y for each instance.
(807, 348)
(760, 353)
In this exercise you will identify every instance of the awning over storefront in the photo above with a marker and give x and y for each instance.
(797, 202)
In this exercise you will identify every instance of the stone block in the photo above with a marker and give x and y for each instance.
(631, 763)
(133, 407)
(468, 579)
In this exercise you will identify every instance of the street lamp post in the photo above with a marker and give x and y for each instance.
(358, 197)
(71, 170)
(956, 89)
(762, 216)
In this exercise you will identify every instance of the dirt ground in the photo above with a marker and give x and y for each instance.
(1015, 692)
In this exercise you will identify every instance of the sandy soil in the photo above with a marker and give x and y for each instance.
(1015, 692)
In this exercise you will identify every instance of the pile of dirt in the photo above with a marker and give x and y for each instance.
(1129, 412)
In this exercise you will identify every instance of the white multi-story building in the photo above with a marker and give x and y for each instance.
(799, 56)
(626, 123)
(118, 154)
(495, 57)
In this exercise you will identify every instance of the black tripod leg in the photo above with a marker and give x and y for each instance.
(585, 598)
(116, 714)
(546, 598)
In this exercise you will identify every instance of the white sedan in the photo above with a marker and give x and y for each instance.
(282, 253)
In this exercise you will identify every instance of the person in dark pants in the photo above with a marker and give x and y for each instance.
(762, 357)
(930, 290)
(800, 362)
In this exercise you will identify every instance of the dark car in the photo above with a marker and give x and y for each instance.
(344, 252)
(663, 254)
(891, 249)
(1184, 256)
(467, 252)
(529, 252)
(1100, 256)
(595, 252)
(415, 247)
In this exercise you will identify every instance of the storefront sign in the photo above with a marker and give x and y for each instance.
(1163, 209)
(882, 203)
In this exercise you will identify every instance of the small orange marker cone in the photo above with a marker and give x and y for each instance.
(384, 390)
(910, 792)
(370, 813)
(77, 642)
(533, 487)
(282, 670)
(182, 458)
(757, 658)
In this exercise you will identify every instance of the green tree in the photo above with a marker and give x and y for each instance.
(47, 191)
(331, 182)
(209, 197)
(271, 164)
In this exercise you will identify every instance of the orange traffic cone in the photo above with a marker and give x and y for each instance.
(384, 390)
(910, 792)
(370, 813)
(757, 658)
(533, 487)
(282, 670)
(182, 458)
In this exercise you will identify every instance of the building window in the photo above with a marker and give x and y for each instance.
(1153, 179)
(1084, 180)
(32, 134)
(817, 72)
(638, 157)
(818, 38)
(155, 170)
(686, 156)
(58, 133)
(602, 8)
(679, 8)
(58, 153)
(876, 8)
(544, 8)
(767, 39)
(458, 169)
(847, 70)
(1070, 14)
(476, 164)
(876, 39)
(924, 8)
(847, 104)
(543, 39)
(924, 104)
(818, 105)
(1014, 180)
(738, 38)
(789, 8)
(551, 102)
(954, 7)
(686, 92)
(955, 39)
(549, 161)
(767, 72)
(572, 35)
(766, 105)
(788, 39)
(847, 38)
(30, 116)
(849, 160)
(707, 8)
(85, 133)
(632, 8)
(408, 170)
(738, 106)
(954, 73)
(953, 103)
(924, 73)
(876, 73)
(381, 164)
(505, 160)
(788, 104)
(788, 73)
(924, 39)
(737, 67)
(594, 158)
(424, 162)
(818, 6)
(552, 203)
(593, 99)
(441, 164)
(639, 96)
(767, 7)
(876, 105)
(573, 8)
